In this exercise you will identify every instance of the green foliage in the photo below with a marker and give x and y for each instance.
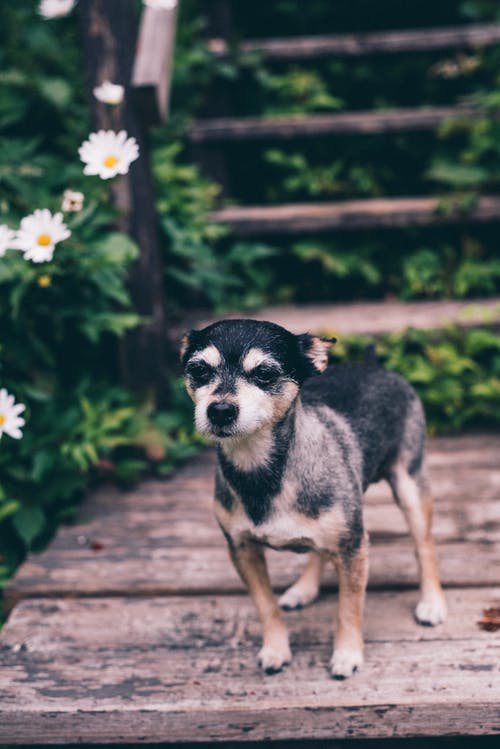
(61, 321)
(298, 91)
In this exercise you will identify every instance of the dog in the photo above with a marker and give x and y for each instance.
(298, 443)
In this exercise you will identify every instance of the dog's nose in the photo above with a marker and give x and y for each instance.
(222, 413)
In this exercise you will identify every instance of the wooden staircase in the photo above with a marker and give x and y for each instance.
(347, 214)
(131, 626)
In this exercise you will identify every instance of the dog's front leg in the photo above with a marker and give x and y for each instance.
(250, 564)
(352, 578)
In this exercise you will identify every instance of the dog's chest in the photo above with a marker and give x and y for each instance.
(286, 528)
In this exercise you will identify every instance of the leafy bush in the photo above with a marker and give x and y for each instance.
(61, 320)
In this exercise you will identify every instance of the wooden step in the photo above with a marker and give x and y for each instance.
(151, 670)
(352, 214)
(366, 318)
(417, 40)
(357, 123)
(156, 539)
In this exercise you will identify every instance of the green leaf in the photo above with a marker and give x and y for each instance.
(118, 248)
(9, 508)
(29, 522)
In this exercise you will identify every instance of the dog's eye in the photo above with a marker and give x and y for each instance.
(200, 373)
(265, 375)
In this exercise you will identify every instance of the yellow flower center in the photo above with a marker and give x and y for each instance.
(110, 161)
(44, 240)
(2, 420)
(44, 281)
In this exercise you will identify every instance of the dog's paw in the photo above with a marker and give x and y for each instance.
(431, 611)
(273, 658)
(345, 662)
(298, 596)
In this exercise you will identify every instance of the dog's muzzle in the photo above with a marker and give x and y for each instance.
(222, 413)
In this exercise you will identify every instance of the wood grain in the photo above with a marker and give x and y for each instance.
(152, 70)
(380, 42)
(351, 214)
(163, 670)
(128, 570)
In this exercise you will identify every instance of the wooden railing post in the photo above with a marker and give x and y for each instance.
(109, 30)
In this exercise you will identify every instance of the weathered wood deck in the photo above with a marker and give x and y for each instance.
(132, 626)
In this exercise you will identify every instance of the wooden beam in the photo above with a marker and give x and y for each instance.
(357, 123)
(152, 70)
(291, 48)
(109, 30)
(351, 214)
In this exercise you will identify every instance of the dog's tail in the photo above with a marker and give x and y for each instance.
(371, 358)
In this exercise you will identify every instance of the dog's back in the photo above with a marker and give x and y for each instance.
(382, 409)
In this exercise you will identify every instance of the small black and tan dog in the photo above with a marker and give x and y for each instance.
(298, 444)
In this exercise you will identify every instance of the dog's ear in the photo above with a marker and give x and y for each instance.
(187, 341)
(315, 350)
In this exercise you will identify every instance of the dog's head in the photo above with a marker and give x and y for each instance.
(243, 374)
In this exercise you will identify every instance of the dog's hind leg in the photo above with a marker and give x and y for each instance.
(250, 564)
(306, 589)
(413, 496)
(352, 576)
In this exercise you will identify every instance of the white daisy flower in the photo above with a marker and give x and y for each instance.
(107, 153)
(72, 201)
(56, 8)
(7, 239)
(161, 4)
(39, 233)
(10, 421)
(109, 93)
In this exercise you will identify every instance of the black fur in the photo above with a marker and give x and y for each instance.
(257, 488)
(236, 337)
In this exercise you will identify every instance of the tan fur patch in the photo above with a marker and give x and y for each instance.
(184, 345)
(283, 401)
(255, 357)
(318, 353)
(210, 355)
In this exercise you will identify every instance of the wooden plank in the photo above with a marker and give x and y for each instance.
(178, 517)
(152, 71)
(368, 318)
(158, 538)
(457, 519)
(153, 670)
(231, 621)
(295, 126)
(351, 214)
(137, 571)
(384, 42)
